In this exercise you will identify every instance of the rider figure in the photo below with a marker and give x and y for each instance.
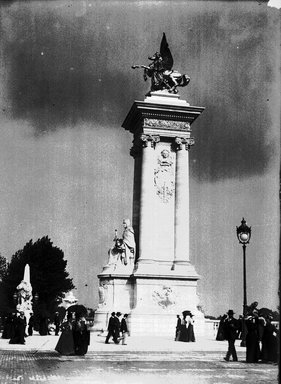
(161, 72)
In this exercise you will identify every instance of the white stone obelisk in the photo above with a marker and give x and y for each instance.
(26, 276)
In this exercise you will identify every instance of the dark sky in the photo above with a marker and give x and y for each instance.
(66, 87)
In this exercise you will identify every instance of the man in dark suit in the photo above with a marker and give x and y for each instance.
(230, 332)
(111, 328)
(117, 327)
(124, 328)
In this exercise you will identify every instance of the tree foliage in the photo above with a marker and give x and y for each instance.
(3, 272)
(3, 267)
(48, 275)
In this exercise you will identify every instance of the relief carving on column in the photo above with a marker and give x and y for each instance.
(187, 142)
(167, 124)
(143, 141)
(164, 176)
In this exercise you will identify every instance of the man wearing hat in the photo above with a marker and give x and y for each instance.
(111, 329)
(117, 325)
(230, 331)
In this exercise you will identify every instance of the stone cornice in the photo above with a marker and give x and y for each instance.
(142, 110)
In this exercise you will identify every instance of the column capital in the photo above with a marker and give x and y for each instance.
(183, 142)
(143, 141)
(146, 139)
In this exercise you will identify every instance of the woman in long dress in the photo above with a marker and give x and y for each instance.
(65, 345)
(19, 330)
(220, 334)
(81, 335)
(190, 329)
(182, 335)
(270, 341)
(252, 338)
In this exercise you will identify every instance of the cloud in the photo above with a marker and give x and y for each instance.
(274, 4)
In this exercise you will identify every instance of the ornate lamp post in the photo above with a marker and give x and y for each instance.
(36, 298)
(244, 234)
(15, 298)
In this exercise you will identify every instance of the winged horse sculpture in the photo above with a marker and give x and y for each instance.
(161, 72)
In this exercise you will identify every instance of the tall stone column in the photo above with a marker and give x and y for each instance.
(163, 281)
(182, 201)
(147, 215)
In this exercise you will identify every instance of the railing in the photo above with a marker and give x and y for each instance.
(212, 326)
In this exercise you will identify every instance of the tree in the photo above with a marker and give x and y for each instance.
(3, 267)
(3, 272)
(48, 275)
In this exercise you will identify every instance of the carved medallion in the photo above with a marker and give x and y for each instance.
(164, 176)
(164, 297)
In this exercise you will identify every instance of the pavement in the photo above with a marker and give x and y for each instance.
(144, 360)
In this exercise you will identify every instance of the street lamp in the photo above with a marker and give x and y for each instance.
(244, 234)
(35, 298)
(15, 298)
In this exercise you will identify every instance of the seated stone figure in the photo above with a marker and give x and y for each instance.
(123, 251)
(115, 253)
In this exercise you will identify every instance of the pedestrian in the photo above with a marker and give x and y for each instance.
(30, 325)
(182, 335)
(178, 326)
(9, 326)
(19, 330)
(111, 328)
(252, 337)
(65, 344)
(220, 333)
(43, 324)
(230, 332)
(190, 328)
(124, 329)
(270, 341)
(117, 327)
(57, 323)
(81, 335)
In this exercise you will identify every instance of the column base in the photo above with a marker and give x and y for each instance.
(166, 269)
(159, 299)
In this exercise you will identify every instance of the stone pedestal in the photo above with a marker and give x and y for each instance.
(162, 282)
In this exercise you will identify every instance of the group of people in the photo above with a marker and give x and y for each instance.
(184, 327)
(117, 328)
(14, 328)
(261, 336)
(75, 335)
(15, 324)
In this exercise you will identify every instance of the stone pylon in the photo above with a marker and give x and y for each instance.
(163, 281)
